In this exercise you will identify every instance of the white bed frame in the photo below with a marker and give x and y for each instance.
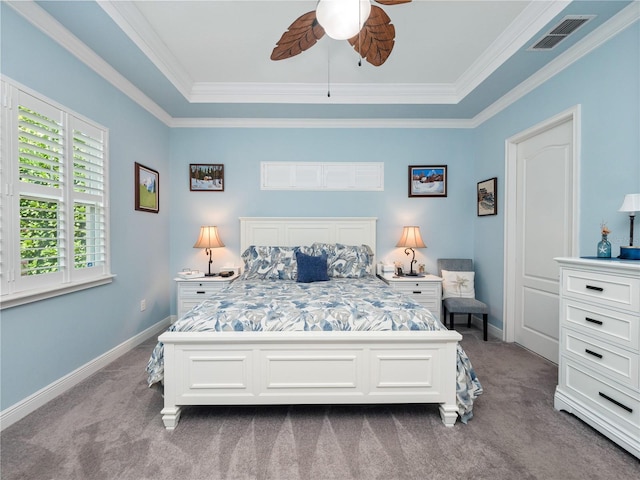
(284, 368)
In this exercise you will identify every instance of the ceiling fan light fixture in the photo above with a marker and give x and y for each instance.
(342, 19)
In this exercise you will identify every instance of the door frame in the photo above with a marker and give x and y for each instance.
(510, 208)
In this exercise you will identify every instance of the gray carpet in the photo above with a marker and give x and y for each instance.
(109, 427)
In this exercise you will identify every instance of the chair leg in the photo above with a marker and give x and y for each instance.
(450, 320)
(484, 326)
(468, 320)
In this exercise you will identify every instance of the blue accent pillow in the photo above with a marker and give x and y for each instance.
(311, 269)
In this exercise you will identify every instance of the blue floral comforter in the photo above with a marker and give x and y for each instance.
(339, 304)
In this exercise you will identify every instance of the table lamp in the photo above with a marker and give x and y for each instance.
(209, 240)
(630, 204)
(411, 239)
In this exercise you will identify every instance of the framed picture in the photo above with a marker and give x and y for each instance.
(427, 180)
(206, 177)
(488, 197)
(147, 193)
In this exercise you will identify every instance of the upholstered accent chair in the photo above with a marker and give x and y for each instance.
(458, 291)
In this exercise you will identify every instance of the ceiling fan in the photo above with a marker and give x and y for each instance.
(373, 36)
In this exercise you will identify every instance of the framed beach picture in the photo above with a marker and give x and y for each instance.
(146, 188)
(427, 180)
(488, 197)
(206, 177)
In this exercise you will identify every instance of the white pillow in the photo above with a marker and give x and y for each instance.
(458, 284)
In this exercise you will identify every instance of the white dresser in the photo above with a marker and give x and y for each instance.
(599, 377)
(194, 290)
(426, 290)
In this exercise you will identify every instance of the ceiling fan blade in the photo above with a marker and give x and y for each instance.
(302, 34)
(392, 2)
(376, 39)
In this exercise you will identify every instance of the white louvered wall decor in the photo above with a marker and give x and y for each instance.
(358, 176)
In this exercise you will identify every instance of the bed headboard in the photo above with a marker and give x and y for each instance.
(293, 231)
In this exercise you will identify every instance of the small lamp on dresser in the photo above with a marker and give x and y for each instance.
(630, 204)
(209, 239)
(411, 239)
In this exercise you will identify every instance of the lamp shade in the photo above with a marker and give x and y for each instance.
(342, 19)
(208, 238)
(631, 203)
(411, 238)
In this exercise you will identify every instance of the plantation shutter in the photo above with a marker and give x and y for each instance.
(89, 209)
(42, 222)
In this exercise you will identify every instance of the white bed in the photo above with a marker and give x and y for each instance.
(311, 367)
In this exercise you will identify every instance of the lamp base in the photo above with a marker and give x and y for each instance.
(630, 253)
(411, 274)
(210, 274)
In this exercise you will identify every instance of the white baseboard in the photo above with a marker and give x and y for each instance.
(18, 411)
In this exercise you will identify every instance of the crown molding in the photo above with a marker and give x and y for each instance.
(319, 123)
(612, 27)
(39, 18)
(127, 16)
(515, 36)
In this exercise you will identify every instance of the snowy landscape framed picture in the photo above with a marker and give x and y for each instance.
(146, 188)
(206, 177)
(488, 197)
(427, 180)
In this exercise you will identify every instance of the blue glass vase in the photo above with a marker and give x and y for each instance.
(604, 248)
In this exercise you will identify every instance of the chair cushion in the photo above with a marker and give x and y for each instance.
(465, 305)
(458, 284)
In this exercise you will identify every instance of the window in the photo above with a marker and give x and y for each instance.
(54, 204)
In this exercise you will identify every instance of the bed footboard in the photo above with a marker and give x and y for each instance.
(284, 368)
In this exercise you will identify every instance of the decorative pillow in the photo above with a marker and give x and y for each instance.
(311, 268)
(275, 263)
(346, 261)
(458, 284)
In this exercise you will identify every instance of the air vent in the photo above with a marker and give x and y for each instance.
(566, 27)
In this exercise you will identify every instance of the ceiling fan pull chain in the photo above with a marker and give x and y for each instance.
(360, 35)
(329, 71)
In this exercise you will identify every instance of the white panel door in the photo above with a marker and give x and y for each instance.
(544, 223)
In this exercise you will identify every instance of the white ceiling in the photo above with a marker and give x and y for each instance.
(443, 49)
(210, 59)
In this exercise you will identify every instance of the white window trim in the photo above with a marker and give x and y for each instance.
(9, 295)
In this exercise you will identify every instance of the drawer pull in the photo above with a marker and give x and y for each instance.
(593, 320)
(615, 402)
(597, 289)
(417, 291)
(590, 352)
(201, 292)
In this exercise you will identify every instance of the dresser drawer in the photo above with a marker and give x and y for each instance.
(607, 400)
(612, 326)
(612, 362)
(614, 290)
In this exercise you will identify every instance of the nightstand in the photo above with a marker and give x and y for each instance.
(425, 290)
(192, 291)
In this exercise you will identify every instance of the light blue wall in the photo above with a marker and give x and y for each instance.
(446, 223)
(47, 340)
(606, 83)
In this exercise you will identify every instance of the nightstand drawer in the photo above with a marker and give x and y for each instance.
(418, 288)
(612, 362)
(613, 290)
(197, 290)
(616, 327)
(616, 404)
